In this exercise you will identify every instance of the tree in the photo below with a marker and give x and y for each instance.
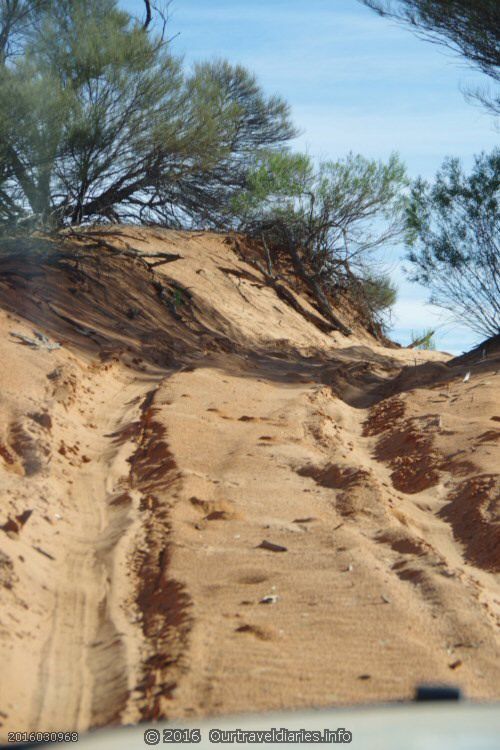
(453, 230)
(469, 27)
(17, 19)
(330, 220)
(378, 294)
(99, 121)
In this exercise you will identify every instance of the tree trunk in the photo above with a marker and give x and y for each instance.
(319, 295)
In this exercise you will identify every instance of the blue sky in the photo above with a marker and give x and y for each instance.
(355, 82)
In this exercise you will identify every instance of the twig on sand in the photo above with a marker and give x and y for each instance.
(41, 341)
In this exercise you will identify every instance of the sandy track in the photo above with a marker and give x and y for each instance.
(87, 620)
(373, 594)
(146, 461)
(76, 644)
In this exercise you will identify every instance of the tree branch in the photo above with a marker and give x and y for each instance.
(149, 14)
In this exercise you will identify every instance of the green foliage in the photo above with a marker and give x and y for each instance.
(331, 217)
(453, 228)
(98, 120)
(373, 295)
(380, 293)
(340, 198)
(177, 298)
(274, 183)
(423, 340)
(283, 177)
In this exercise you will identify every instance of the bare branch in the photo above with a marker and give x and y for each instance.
(149, 14)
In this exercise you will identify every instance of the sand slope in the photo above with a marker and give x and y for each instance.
(209, 504)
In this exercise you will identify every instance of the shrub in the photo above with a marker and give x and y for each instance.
(330, 219)
(453, 228)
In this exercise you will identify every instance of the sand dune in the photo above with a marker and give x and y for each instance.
(211, 504)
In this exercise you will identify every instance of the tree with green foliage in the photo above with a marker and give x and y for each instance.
(453, 231)
(378, 294)
(330, 219)
(469, 27)
(98, 121)
(17, 20)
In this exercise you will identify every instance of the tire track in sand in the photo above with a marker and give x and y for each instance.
(88, 663)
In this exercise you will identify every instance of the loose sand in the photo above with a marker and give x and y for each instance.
(210, 505)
